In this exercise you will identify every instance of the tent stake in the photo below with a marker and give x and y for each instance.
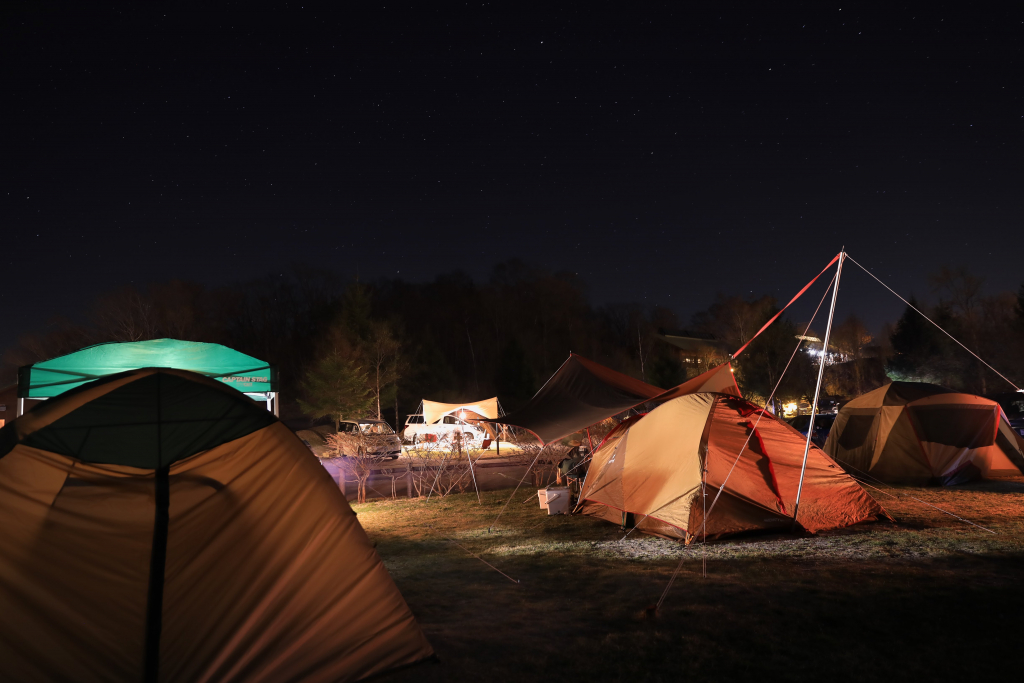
(817, 388)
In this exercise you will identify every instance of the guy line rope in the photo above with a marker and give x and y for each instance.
(760, 414)
(934, 323)
(845, 256)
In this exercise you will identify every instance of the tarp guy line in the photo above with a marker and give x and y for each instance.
(935, 323)
(770, 396)
(896, 496)
(516, 488)
(454, 542)
(817, 387)
(760, 414)
(798, 294)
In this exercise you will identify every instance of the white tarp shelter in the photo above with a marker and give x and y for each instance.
(434, 411)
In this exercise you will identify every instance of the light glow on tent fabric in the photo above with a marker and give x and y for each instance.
(53, 377)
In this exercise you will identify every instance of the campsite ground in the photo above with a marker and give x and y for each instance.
(929, 597)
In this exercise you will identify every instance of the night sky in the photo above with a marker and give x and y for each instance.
(665, 153)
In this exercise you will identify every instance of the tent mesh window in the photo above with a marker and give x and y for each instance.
(958, 426)
(856, 431)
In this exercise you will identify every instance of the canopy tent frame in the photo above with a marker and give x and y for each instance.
(272, 399)
(49, 378)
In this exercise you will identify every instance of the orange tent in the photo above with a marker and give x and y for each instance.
(719, 379)
(159, 525)
(918, 433)
(649, 473)
(582, 393)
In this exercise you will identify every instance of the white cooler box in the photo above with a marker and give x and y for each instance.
(555, 500)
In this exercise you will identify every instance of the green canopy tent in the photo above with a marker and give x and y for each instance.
(251, 376)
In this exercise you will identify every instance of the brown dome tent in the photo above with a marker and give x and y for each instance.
(650, 469)
(159, 525)
(918, 433)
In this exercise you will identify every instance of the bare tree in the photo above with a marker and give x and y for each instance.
(126, 314)
(386, 363)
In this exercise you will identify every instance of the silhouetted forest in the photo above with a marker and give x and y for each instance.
(394, 342)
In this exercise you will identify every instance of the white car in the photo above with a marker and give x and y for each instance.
(416, 431)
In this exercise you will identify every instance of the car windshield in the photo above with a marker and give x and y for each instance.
(376, 428)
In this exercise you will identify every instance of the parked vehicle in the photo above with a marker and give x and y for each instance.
(374, 438)
(416, 431)
(822, 426)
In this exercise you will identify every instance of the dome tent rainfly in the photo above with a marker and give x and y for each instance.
(159, 525)
(650, 469)
(918, 433)
(52, 377)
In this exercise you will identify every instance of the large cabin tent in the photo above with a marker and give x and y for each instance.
(648, 473)
(918, 433)
(159, 525)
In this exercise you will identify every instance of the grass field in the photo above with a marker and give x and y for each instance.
(926, 598)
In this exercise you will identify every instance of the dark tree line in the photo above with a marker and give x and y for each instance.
(990, 325)
(452, 339)
(391, 343)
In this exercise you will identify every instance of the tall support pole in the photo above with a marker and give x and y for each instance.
(817, 388)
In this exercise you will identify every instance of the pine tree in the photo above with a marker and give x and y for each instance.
(337, 386)
(915, 345)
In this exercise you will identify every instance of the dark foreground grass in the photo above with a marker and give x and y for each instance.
(927, 598)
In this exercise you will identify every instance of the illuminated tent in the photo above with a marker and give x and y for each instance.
(648, 473)
(53, 377)
(475, 412)
(917, 433)
(159, 525)
(580, 393)
(583, 392)
(434, 411)
(719, 379)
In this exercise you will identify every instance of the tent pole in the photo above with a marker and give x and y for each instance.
(469, 457)
(817, 388)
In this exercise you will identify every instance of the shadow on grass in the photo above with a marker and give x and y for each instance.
(878, 612)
